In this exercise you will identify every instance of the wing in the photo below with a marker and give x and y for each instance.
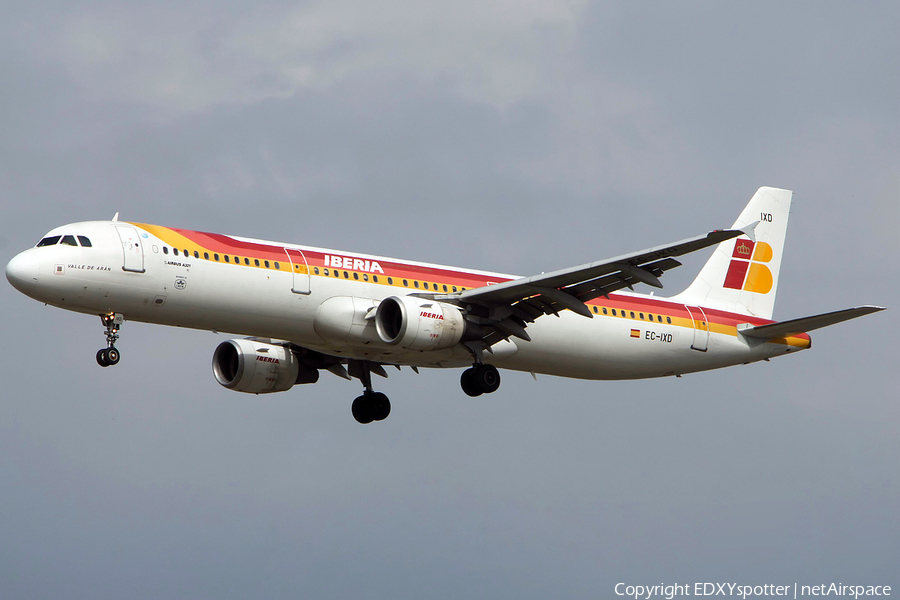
(508, 307)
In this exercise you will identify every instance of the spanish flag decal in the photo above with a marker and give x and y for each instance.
(635, 333)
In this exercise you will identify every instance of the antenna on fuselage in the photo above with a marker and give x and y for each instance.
(115, 217)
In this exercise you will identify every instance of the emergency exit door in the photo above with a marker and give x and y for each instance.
(701, 328)
(300, 271)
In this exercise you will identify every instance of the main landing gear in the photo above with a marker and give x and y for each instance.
(106, 357)
(480, 379)
(371, 406)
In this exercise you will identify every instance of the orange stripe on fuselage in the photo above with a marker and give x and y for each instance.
(721, 322)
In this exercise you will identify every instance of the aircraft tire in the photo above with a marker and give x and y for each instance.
(363, 409)
(112, 356)
(469, 383)
(101, 357)
(381, 406)
(488, 378)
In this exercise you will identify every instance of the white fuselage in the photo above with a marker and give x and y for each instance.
(146, 281)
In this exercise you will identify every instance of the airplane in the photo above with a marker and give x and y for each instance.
(307, 309)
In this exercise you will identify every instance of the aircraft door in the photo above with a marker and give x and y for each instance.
(132, 249)
(300, 271)
(701, 328)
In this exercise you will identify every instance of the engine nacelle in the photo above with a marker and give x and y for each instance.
(419, 324)
(258, 368)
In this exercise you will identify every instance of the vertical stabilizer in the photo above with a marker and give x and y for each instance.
(742, 274)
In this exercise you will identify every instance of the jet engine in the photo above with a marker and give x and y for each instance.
(259, 368)
(419, 324)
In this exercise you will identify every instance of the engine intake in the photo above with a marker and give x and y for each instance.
(259, 368)
(418, 324)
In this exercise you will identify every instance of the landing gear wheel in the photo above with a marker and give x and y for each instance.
(469, 384)
(363, 409)
(381, 406)
(488, 378)
(112, 356)
(107, 357)
(371, 406)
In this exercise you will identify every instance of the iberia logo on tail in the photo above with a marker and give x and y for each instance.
(747, 270)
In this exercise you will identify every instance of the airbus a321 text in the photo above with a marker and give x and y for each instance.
(309, 309)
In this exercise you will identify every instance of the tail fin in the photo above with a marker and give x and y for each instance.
(742, 274)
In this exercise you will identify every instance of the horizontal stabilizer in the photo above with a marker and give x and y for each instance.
(804, 324)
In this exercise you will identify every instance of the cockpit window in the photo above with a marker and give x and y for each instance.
(86, 243)
(49, 241)
(68, 240)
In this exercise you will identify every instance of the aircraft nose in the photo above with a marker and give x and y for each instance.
(22, 271)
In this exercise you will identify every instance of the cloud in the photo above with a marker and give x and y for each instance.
(184, 57)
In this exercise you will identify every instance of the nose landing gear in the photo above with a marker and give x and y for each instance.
(106, 357)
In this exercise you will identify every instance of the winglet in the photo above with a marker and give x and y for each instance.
(115, 217)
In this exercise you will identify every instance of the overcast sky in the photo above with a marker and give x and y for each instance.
(511, 136)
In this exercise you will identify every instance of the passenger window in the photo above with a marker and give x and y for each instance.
(48, 241)
(604, 310)
(390, 281)
(85, 243)
(175, 251)
(247, 261)
(595, 310)
(206, 255)
(265, 262)
(68, 240)
(165, 249)
(614, 312)
(196, 254)
(316, 270)
(356, 276)
(375, 278)
(227, 258)
(669, 320)
(405, 283)
(632, 314)
(277, 266)
(346, 275)
(425, 285)
(215, 257)
(454, 288)
(365, 277)
(186, 253)
(416, 283)
(256, 262)
(659, 318)
(445, 288)
(642, 316)
(325, 271)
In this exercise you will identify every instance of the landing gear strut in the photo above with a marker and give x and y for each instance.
(106, 357)
(371, 406)
(480, 379)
